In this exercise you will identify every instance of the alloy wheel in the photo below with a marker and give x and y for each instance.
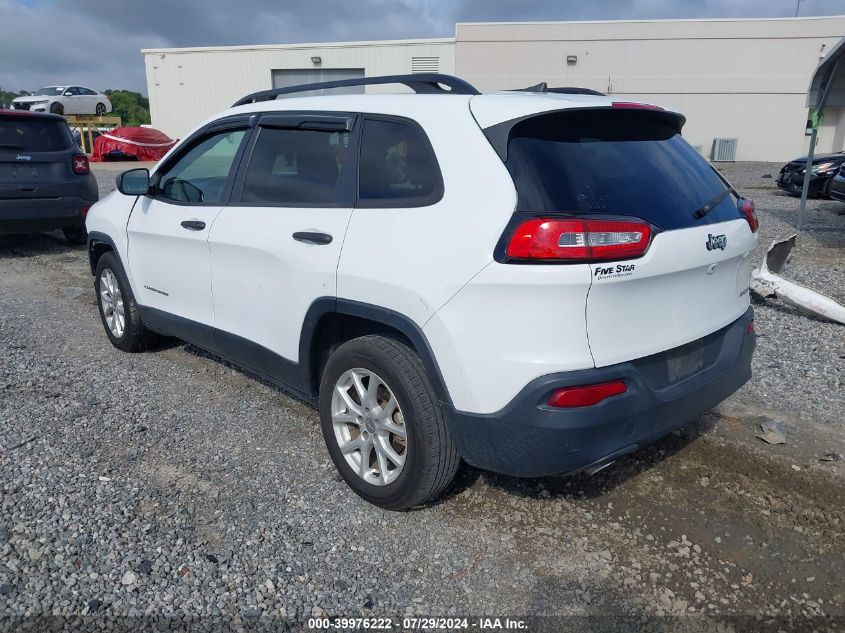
(111, 300)
(369, 426)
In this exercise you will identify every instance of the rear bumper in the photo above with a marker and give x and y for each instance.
(42, 214)
(529, 439)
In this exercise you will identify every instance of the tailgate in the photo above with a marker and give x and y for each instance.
(35, 156)
(39, 176)
(589, 182)
(678, 292)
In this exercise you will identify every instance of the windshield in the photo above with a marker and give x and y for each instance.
(49, 91)
(614, 162)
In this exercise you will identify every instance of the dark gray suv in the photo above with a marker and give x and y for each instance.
(45, 182)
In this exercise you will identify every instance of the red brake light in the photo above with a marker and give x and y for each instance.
(747, 208)
(579, 240)
(585, 396)
(80, 165)
(637, 106)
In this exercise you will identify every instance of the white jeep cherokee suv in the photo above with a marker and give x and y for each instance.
(534, 282)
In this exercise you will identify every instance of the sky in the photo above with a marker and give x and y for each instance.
(97, 43)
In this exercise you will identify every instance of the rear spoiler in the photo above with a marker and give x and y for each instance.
(499, 134)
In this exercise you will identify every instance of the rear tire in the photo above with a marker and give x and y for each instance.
(118, 310)
(428, 454)
(100, 110)
(76, 235)
(57, 108)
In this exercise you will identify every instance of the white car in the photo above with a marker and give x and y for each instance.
(65, 100)
(535, 283)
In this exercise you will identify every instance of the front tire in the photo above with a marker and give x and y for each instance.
(383, 426)
(825, 191)
(118, 310)
(57, 108)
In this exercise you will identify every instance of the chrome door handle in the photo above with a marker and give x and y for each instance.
(193, 225)
(312, 237)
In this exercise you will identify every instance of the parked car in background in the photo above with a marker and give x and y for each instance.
(45, 181)
(522, 282)
(825, 167)
(65, 100)
(837, 185)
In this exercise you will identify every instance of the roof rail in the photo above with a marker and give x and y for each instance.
(421, 83)
(565, 90)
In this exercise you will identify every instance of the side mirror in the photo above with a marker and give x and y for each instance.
(135, 182)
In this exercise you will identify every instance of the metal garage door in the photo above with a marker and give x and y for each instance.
(285, 78)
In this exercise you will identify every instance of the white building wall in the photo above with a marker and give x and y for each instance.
(744, 79)
(186, 86)
(732, 78)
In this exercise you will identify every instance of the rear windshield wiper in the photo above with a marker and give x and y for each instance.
(10, 146)
(708, 206)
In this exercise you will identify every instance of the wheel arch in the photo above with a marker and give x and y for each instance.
(331, 322)
(98, 245)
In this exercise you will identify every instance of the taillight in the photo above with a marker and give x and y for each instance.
(85, 210)
(579, 240)
(585, 396)
(80, 165)
(746, 207)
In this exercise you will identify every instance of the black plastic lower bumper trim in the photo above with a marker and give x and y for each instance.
(530, 439)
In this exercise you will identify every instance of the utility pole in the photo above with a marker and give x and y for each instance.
(797, 7)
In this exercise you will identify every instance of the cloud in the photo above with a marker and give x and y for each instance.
(98, 44)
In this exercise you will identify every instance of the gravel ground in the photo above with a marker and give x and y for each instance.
(800, 359)
(171, 484)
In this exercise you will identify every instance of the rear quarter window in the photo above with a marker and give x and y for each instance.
(613, 162)
(397, 167)
(33, 134)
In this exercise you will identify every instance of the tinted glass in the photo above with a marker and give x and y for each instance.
(29, 134)
(397, 165)
(200, 174)
(50, 91)
(619, 162)
(294, 167)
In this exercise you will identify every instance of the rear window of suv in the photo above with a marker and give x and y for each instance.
(33, 134)
(622, 162)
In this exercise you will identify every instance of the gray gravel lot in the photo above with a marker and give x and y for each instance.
(170, 483)
(800, 365)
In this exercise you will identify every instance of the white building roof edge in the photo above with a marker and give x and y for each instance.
(254, 47)
(650, 21)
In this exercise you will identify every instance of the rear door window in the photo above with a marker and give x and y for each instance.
(397, 166)
(613, 162)
(33, 134)
(295, 167)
